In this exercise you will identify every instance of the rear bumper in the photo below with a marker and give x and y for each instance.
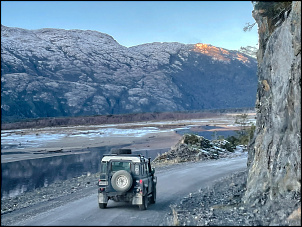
(135, 198)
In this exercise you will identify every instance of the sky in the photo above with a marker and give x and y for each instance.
(130, 23)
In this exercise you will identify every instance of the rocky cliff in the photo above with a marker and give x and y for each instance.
(56, 72)
(274, 161)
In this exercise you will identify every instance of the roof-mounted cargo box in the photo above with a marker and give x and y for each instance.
(121, 151)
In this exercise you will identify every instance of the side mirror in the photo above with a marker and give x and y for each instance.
(153, 170)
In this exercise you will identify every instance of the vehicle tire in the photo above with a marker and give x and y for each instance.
(145, 203)
(153, 197)
(121, 181)
(102, 205)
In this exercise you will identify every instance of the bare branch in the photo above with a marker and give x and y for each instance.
(249, 26)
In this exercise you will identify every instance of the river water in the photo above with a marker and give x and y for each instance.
(208, 132)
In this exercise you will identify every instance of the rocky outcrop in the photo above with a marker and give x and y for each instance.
(196, 148)
(57, 73)
(274, 161)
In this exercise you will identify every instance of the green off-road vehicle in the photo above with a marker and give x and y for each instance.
(126, 177)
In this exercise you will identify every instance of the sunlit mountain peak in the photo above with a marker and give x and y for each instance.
(218, 53)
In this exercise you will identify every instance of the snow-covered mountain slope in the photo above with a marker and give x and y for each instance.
(57, 72)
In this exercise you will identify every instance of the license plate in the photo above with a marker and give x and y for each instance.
(103, 182)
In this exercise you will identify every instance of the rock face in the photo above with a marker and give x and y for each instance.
(56, 72)
(274, 161)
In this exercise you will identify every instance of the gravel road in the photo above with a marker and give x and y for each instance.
(216, 204)
(74, 202)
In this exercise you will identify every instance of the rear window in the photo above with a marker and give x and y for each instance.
(116, 166)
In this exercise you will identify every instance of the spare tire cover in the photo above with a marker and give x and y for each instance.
(121, 181)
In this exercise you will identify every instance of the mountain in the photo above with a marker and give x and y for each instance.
(56, 72)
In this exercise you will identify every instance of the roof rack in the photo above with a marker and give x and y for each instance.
(132, 157)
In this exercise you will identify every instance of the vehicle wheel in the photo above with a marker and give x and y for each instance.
(102, 205)
(121, 181)
(145, 203)
(153, 197)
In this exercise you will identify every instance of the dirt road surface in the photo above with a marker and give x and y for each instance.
(173, 184)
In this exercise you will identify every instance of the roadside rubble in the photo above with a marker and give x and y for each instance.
(221, 205)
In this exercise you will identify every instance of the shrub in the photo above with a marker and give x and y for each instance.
(272, 9)
(243, 137)
(190, 139)
(228, 146)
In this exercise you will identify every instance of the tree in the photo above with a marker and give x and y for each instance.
(242, 121)
(249, 50)
(214, 135)
(248, 26)
(245, 134)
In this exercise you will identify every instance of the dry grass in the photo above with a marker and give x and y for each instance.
(295, 217)
(175, 217)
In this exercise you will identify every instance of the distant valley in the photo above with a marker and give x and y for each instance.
(66, 73)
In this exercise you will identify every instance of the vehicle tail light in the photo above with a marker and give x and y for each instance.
(140, 181)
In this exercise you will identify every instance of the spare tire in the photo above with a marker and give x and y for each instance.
(121, 181)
